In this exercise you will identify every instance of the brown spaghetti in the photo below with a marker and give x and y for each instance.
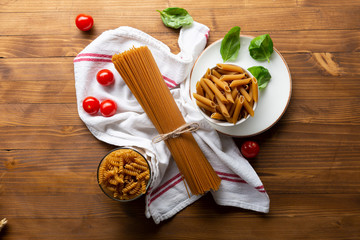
(139, 70)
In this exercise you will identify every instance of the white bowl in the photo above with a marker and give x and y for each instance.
(219, 122)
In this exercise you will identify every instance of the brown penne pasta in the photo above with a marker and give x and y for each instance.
(204, 100)
(245, 94)
(230, 67)
(227, 93)
(215, 73)
(232, 77)
(215, 90)
(223, 85)
(255, 89)
(234, 93)
(206, 107)
(229, 97)
(217, 116)
(199, 89)
(209, 94)
(248, 108)
(241, 82)
(208, 73)
(238, 105)
(223, 108)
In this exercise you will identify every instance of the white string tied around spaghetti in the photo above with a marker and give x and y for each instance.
(188, 127)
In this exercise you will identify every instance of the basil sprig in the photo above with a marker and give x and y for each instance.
(261, 48)
(175, 17)
(230, 45)
(261, 74)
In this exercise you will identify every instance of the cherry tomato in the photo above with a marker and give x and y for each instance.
(84, 22)
(250, 149)
(105, 77)
(108, 108)
(91, 105)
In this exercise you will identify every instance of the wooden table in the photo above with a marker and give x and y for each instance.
(309, 161)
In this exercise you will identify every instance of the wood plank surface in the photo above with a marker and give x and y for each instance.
(309, 161)
(148, 20)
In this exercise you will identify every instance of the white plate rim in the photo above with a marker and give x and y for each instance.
(283, 111)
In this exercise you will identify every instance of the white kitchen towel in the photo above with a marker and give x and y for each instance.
(130, 126)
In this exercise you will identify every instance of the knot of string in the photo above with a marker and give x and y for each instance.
(187, 127)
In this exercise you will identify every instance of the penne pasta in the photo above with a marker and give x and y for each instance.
(225, 72)
(208, 73)
(206, 107)
(232, 77)
(245, 94)
(230, 67)
(199, 89)
(234, 93)
(229, 119)
(222, 107)
(232, 109)
(226, 93)
(229, 97)
(251, 93)
(255, 89)
(223, 85)
(236, 83)
(204, 100)
(248, 108)
(218, 108)
(209, 94)
(244, 113)
(215, 73)
(215, 90)
(238, 105)
(217, 116)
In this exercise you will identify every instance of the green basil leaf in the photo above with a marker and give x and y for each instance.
(261, 74)
(261, 48)
(230, 45)
(175, 17)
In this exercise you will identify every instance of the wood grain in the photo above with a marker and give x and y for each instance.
(314, 214)
(305, 41)
(309, 161)
(222, 18)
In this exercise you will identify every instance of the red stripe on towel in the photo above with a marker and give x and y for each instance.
(165, 190)
(233, 180)
(165, 187)
(169, 80)
(166, 183)
(236, 178)
(94, 55)
(207, 35)
(92, 60)
(227, 174)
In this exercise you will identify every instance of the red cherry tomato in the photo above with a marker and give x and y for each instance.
(84, 22)
(91, 105)
(250, 149)
(108, 108)
(105, 77)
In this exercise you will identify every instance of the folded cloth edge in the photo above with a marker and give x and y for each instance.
(161, 217)
(240, 204)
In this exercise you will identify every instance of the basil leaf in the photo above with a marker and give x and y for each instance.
(230, 45)
(261, 48)
(175, 17)
(261, 74)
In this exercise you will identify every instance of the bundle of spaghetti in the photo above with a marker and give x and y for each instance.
(140, 72)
